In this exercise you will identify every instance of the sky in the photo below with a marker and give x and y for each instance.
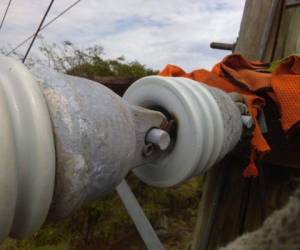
(154, 32)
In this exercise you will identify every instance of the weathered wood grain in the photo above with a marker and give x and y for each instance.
(254, 27)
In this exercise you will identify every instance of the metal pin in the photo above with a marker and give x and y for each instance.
(159, 138)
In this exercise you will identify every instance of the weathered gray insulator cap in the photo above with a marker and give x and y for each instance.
(98, 136)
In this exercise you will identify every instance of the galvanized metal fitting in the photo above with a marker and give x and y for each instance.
(247, 121)
(159, 138)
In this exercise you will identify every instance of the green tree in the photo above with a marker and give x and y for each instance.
(90, 62)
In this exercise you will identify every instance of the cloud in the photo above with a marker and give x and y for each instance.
(153, 32)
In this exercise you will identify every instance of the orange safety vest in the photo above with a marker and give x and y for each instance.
(237, 74)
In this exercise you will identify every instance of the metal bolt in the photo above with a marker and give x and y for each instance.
(159, 138)
(247, 120)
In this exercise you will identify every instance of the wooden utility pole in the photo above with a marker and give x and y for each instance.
(232, 205)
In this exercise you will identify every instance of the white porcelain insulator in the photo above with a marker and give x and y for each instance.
(208, 126)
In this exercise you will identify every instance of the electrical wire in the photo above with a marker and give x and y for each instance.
(44, 26)
(38, 30)
(5, 14)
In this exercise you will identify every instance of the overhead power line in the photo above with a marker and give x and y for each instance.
(44, 26)
(38, 30)
(5, 14)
